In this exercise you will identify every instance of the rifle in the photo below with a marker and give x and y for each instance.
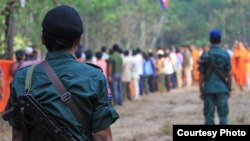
(33, 115)
(44, 124)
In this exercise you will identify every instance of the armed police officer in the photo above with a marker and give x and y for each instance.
(85, 86)
(215, 80)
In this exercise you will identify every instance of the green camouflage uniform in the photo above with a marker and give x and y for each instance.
(215, 91)
(87, 85)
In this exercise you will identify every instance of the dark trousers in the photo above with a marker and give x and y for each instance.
(146, 83)
(126, 90)
(152, 84)
(117, 88)
(174, 80)
(141, 85)
(214, 102)
(168, 81)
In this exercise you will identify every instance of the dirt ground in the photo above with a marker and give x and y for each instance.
(151, 118)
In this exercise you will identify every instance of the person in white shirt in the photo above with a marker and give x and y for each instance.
(169, 70)
(139, 63)
(127, 67)
(173, 59)
(136, 74)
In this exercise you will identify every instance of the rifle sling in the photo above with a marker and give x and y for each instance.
(218, 72)
(28, 78)
(66, 97)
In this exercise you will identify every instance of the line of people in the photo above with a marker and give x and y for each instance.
(134, 73)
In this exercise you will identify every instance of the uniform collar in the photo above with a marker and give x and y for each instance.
(215, 47)
(54, 55)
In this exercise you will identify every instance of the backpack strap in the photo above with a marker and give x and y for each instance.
(28, 79)
(27, 87)
(67, 99)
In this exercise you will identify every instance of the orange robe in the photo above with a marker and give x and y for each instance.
(196, 57)
(239, 65)
(5, 65)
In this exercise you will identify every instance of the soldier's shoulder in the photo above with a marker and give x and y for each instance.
(94, 66)
(22, 70)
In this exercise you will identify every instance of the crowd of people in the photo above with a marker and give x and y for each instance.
(134, 73)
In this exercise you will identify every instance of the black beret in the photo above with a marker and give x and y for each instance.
(63, 22)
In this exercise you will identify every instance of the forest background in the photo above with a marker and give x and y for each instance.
(131, 23)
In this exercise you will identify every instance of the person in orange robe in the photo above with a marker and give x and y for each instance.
(196, 57)
(5, 65)
(248, 66)
(239, 65)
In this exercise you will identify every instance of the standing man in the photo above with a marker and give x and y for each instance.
(61, 32)
(127, 67)
(160, 66)
(179, 68)
(115, 68)
(105, 55)
(187, 66)
(215, 80)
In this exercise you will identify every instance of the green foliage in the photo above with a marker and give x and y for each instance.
(137, 23)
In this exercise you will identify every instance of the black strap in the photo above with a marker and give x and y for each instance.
(67, 98)
(222, 76)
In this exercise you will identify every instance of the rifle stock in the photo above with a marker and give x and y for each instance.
(41, 119)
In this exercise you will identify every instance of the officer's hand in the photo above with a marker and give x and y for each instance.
(201, 96)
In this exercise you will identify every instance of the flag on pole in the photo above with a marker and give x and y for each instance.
(164, 4)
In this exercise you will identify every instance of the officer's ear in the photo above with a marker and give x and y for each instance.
(77, 41)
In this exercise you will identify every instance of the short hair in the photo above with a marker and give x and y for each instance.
(160, 56)
(103, 49)
(116, 47)
(138, 50)
(20, 55)
(53, 43)
(150, 54)
(98, 55)
(126, 53)
(88, 54)
(215, 40)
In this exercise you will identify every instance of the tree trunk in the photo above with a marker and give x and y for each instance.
(143, 35)
(86, 37)
(158, 30)
(9, 33)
